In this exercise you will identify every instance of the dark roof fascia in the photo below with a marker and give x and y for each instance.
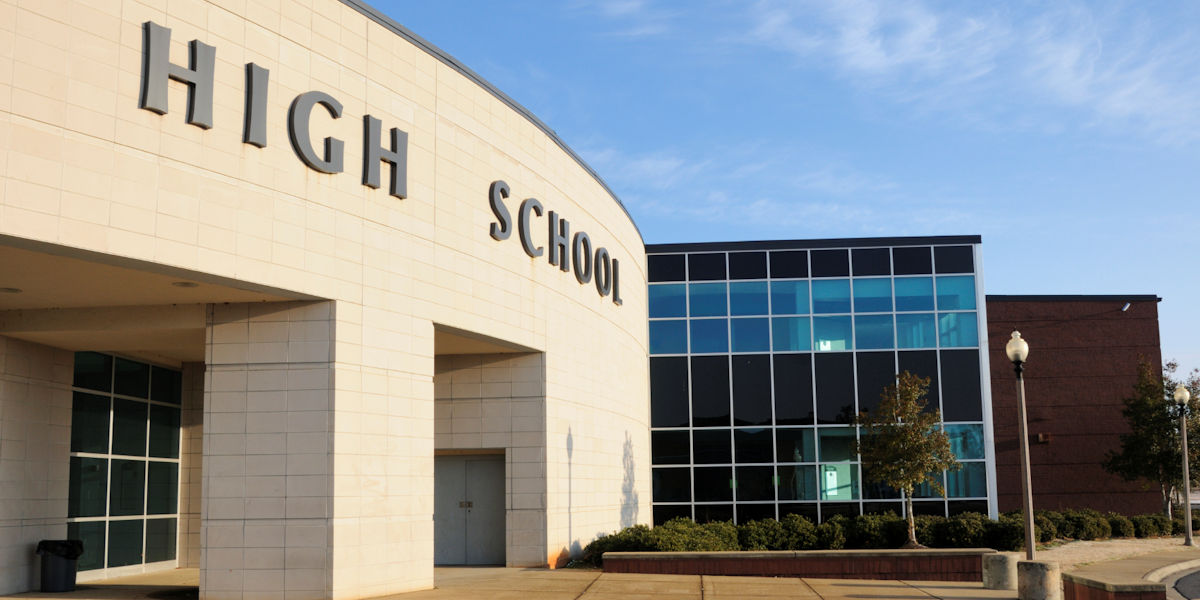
(1073, 298)
(432, 50)
(813, 244)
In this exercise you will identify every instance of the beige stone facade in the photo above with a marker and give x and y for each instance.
(332, 337)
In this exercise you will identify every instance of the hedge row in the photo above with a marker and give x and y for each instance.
(967, 530)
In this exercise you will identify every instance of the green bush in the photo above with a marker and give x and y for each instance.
(764, 534)
(1044, 528)
(965, 530)
(1177, 526)
(1145, 526)
(1062, 529)
(831, 535)
(799, 533)
(1006, 534)
(875, 531)
(1120, 525)
(1087, 524)
(638, 538)
(1164, 524)
(931, 530)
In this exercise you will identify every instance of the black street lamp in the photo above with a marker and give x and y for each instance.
(1018, 350)
(1181, 398)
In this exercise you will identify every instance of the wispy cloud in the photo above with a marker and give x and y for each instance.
(631, 18)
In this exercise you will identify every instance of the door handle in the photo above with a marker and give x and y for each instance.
(466, 504)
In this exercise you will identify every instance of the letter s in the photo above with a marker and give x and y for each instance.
(503, 227)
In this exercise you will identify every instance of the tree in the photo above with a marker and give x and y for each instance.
(903, 445)
(1150, 451)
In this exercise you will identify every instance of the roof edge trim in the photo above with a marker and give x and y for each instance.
(1073, 298)
(866, 242)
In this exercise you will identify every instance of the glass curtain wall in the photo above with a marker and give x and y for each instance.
(124, 471)
(760, 359)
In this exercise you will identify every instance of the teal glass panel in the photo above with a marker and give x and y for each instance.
(925, 490)
(160, 540)
(165, 385)
(91, 534)
(791, 334)
(872, 332)
(795, 445)
(87, 489)
(966, 441)
(668, 337)
(129, 427)
(916, 330)
(836, 444)
(89, 423)
(162, 488)
(958, 330)
(124, 543)
(164, 431)
(789, 297)
(838, 482)
(832, 334)
(831, 296)
(93, 371)
(127, 484)
(872, 295)
(914, 293)
(668, 300)
(710, 335)
(131, 378)
(968, 482)
(797, 482)
(707, 299)
(956, 293)
(748, 298)
(751, 335)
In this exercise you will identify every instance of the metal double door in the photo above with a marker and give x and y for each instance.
(468, 510)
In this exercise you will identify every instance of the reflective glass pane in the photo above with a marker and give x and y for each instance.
(89, 423)
(751, 389)
(953, 259)
(93, 371)
(793, 389)
(961, 396)
(876, 371)
(834, 373)
(789, 263)
(92, 535)
(165, 385)
(132, 378)
(708, 513)
(751, 335)
(873, 332)
(666, 267)
(668, 391)
(88, 487)
(791, 334)
(758, 511)
(710, 335)
(670, 447)
(707, 299)
(748, 298)
(706, 266)
(713, 484)
(753, 446)
(127, 482)
(747, 265)
(830, 263)
(958, 330)
(807, 510)
(838, 482)
(871, 261)
(756, 483)
(129, 427)
(968, 482)
(966, 441)
(831, 296)
(789, 297)
(912, 261)
(836, 444)
(915, 330)
(124, 543)
(672, 485)
(712, 446)
(160, 540)
(668, 337)
(164, 431)
(874, 490)
(956, 293)
(666, 512)
(872, 295)
(925, 490)
(832, 334)
(795, 444)
(924, 363)
(914, 293)
(668, 300)
(162, 488)
(710, 391)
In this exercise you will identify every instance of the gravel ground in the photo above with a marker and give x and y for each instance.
(1072, 555)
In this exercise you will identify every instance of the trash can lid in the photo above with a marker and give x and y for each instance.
(69, 549)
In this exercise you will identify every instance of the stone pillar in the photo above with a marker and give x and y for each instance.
(1038, 580)
(191, 419)
(1000, 571)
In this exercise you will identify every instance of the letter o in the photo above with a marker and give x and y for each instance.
(603, 271)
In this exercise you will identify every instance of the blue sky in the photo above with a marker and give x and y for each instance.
(1067, 135)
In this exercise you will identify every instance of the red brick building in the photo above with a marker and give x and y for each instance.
(1083, 357)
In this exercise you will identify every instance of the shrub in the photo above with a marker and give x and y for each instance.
(1044, 528)
(684, 535)
(875, 531)
(1164, 524)
(831, 535)
(764, 534)
(631, 539)
(1062, 529)
(1088, 524)
(1006, 534)
(1120, 525)
(965, 530)
(1177, 526)
(799, 533)
(931, 530)
(1145, 526)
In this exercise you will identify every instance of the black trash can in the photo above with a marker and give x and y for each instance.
(59, 558)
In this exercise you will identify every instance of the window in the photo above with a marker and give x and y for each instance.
(668, 301)
(831, 296)
(748, 298)
(707, 299)
(123, 489)
(706, 267)
(872, 295)
(747, 265)
(789, 263)
(666, 267)
(789, 297)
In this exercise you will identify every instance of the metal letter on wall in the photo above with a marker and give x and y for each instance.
(496, 195)
(603, 271)
(373, 153)
(254, 124)
(157, 68)
(528, 207)
(559, 240)
(616, 282)
(298, 130)
(581, 257)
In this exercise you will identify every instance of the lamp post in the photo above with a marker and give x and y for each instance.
(1181, 398)
(1018, 350)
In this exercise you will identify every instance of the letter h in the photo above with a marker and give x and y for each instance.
(157, 68)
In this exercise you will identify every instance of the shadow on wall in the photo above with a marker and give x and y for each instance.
(629, 495)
